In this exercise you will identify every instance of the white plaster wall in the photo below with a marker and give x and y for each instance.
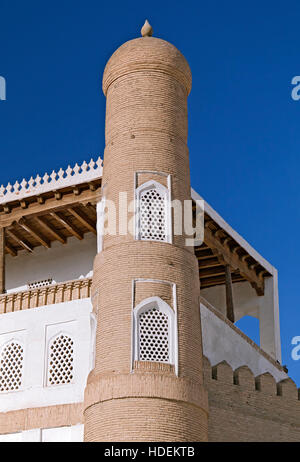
(34, 328)
(247, 302)
(216, 296)
(71, 434)
(62, 262)
(12, 438)
(222, 343)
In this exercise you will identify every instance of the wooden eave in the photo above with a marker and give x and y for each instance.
(53, 216)
(220, 249)
(66, 194)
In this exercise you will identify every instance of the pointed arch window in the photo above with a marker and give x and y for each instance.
(60, 360)
(153, 212)
(11, 366)
(154, 332)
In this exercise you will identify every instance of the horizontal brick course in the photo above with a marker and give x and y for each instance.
(247, 408)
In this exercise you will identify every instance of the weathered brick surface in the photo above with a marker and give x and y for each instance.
(145, 260)
(146, 82)
(153, 289)
(41, 417)
(147, 420)
(240, 410)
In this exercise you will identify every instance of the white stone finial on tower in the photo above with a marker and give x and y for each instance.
(146, 30)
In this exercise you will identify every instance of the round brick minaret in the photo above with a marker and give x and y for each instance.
(146, 82)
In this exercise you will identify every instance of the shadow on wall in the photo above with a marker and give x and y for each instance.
(61, 263)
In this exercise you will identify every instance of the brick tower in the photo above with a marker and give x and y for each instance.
(147, 381)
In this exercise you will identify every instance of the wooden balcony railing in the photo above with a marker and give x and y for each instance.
(48, 295)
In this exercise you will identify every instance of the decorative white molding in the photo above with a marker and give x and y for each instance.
(57, 180)
(47, 295)
(165, 196)
(158, 304)
(34, 329)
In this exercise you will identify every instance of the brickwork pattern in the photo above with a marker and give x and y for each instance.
(41, 417)
(113, 289)
(146, 82)
(247, 408)
(147, 289)
(147, 420)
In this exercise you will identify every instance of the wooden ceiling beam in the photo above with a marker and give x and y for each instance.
(23, 243)
(206, 253)
(229, 294)
(76, 191)
(10, 250)
(218, 233)
(57, 195)
(50, 229)
(67, 224)
(36, 234)
(91, 209)
(50, 204)
(23, 204)
(234, 261)
(218, 280)
(211, 272)
(209, 262)
(92, 186)
(208, 222)
(40, 199)
(86, 221)
(226, 240)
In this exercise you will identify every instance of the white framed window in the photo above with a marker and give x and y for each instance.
(153, 212)
(60, 370)
(154, 332)
(11, 366)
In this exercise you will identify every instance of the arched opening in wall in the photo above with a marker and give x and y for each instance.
(60, 360)
(250, 326)
(11, 366)
(154, 332)
(153, 212)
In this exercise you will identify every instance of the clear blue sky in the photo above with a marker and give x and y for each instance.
(244, 134)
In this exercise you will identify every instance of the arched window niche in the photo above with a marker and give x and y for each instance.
(153, 212)
(11, 366)
(60, 370)
(154, 332)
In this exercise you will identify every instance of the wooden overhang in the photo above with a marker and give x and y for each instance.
(53, 216)
(58, 214)
(220, 251)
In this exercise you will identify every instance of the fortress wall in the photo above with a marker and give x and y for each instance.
(222, 340)
(245, 408)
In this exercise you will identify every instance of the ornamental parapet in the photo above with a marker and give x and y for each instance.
(47, 295)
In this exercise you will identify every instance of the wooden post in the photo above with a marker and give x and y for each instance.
(229, 294)
(2, 260)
